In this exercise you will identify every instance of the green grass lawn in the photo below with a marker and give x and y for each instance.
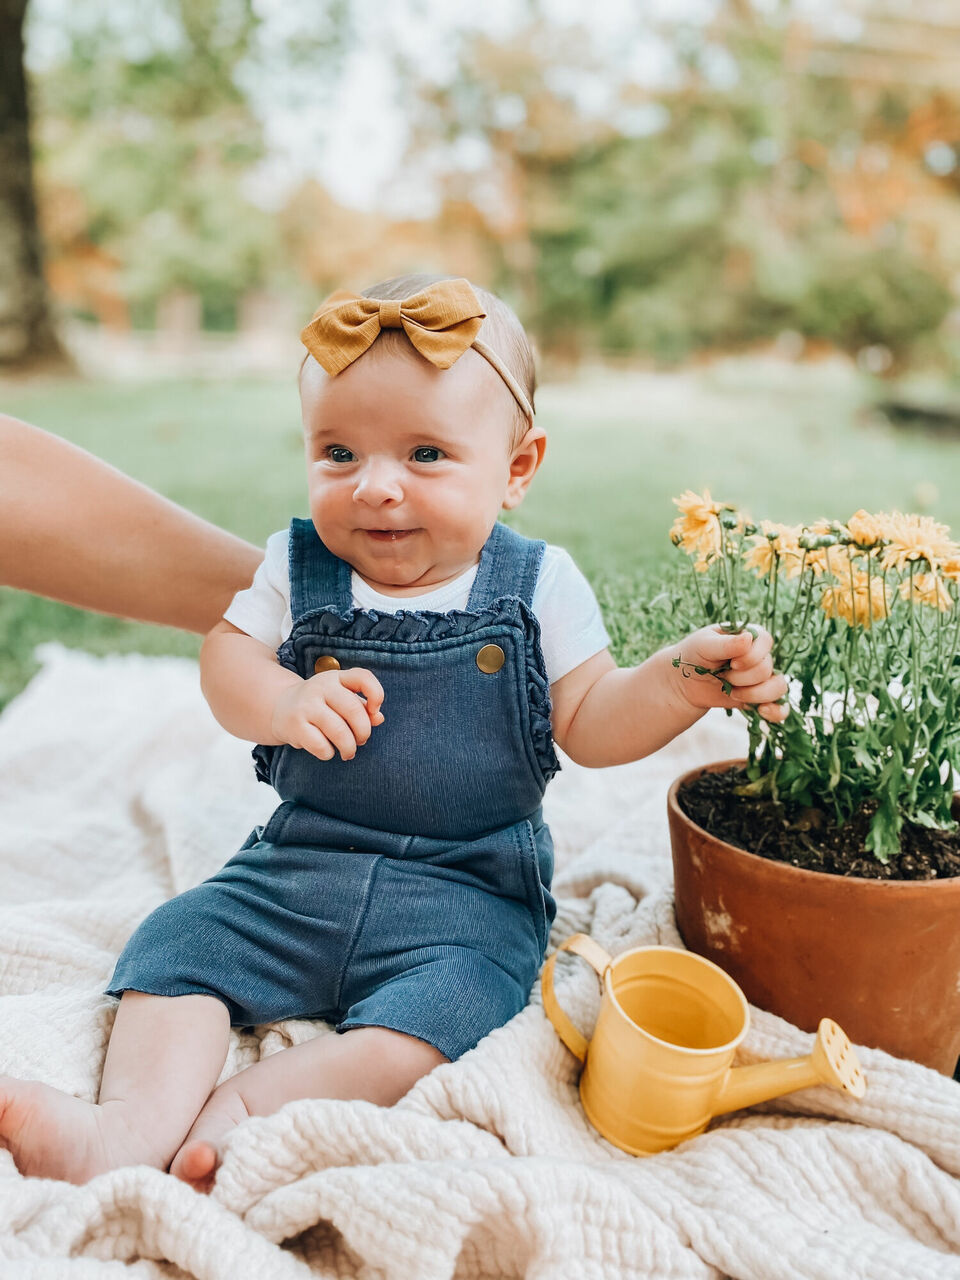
(785, 443)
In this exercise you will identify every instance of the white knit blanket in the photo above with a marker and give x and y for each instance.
(117, 789)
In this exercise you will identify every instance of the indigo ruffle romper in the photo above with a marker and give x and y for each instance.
(409, 887)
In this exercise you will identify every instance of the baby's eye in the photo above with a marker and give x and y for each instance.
(335, 452)
(418, 454)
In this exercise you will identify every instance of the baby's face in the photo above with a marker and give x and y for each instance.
(408, 465)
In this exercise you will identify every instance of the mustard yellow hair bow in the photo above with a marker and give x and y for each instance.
(441, 321)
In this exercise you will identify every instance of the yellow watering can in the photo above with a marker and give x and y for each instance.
(657, 1069)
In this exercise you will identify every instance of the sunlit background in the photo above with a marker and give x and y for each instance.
(731, 226)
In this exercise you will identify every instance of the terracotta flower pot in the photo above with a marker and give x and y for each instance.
(880, 957)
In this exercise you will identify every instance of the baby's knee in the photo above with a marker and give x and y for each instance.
(405, 1057)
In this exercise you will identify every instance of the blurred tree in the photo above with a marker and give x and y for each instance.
(706, 183)
(147, 140)
(27, 335)
(749, 188)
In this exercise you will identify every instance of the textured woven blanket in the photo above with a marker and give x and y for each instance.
(117, 789)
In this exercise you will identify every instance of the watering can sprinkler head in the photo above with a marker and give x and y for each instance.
(835, 1061)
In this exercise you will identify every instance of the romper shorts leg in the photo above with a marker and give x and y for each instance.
(478, 955)
(266, 935)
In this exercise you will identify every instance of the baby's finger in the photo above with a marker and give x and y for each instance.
(774, 711)
(716, 645)
(312, 740)
(767, 691)
(360, 680)
(759, 649)
(751, 675)
(347, 705)
(336, 729)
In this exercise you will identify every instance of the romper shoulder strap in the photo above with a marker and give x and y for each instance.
(509, 566)
(318, 578)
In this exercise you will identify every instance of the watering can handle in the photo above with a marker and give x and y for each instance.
(595, 955)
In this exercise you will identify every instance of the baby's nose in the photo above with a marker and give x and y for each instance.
(378, 481)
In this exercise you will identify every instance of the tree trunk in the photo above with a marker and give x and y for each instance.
(27, 335)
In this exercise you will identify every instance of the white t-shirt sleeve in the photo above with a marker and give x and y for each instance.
(571, 625)
(262, 610)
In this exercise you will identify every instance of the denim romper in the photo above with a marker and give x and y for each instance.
(408, 887)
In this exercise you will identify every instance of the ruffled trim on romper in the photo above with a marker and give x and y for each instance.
(410, 625)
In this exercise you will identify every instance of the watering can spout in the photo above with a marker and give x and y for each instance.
(832, 1062)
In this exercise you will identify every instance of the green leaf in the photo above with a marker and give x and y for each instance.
(864, 758)
(761, 787)
(788, 772)
(924, 819)
(883, 837)
(808, 692)
(901, 730)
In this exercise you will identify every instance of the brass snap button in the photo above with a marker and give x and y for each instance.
(326, 662)
(490, 658)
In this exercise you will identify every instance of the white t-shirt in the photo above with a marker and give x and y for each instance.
(571, 627)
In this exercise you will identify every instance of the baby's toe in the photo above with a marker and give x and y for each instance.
(196, 1163)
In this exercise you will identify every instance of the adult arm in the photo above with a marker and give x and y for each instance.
(76, 529)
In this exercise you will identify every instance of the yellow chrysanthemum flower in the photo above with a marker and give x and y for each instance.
(697, 527)
(761, 555)
(867, 530)
(865, 603)
(951, 567)
(835, 560)
(914, 538)
(928, 589)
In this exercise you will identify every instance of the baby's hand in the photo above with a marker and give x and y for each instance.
(324, 715)
(742, 659)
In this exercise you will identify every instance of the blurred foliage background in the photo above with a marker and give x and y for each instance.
(724, 173)
(732, 227)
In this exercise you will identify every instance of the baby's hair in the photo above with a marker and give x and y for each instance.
(500, 330)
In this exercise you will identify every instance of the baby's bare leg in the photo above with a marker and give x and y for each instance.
(368, 1062)
(164, 1056)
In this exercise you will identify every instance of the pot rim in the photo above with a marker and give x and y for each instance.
(786, 868)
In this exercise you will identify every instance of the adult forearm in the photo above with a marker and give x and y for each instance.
(630, 713)
(75, 529)
(241, 681)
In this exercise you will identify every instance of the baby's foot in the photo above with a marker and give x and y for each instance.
(54, 1135)
(197, 1160)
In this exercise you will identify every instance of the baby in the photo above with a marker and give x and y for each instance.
(406, 663)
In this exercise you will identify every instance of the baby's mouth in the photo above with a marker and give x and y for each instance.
(389, 535)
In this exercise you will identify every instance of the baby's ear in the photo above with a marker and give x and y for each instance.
(523, 466)
(532, 445)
